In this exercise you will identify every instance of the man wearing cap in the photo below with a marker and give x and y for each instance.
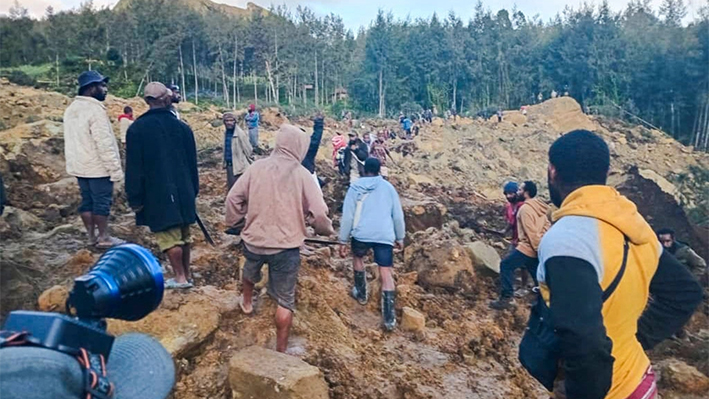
(162, 182)
(252, 119)
(137, 367)
(92, 156)
(175, 98)
(237, 150)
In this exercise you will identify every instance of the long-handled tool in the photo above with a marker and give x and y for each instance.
(202, 227)
(321, 241)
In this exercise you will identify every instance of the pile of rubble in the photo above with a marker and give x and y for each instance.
(449, 343)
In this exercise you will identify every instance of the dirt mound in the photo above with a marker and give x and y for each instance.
(561, 114)
(450, 180)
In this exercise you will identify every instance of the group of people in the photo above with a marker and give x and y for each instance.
(595, 269)
(269, 200)
(349, 154)
(595, 260)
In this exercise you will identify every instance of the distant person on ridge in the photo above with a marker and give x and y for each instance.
(532, 223)
(253, 119)
(237, 150)
(372, 218)
(274, 199)
(599, 265)
(406, 124)
(162, 180)
(92, 156)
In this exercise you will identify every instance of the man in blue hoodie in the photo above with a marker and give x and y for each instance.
(372, 218)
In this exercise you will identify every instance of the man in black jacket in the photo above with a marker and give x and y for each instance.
(355, 156)
(162, 181)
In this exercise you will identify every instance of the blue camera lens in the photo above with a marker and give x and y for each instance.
(126, 283)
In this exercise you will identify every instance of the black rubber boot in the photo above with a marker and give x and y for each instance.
(388, 312)
(359, 291)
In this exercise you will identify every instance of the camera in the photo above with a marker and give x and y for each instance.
(126, 283)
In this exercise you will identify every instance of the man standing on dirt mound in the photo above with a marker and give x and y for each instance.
(532, 223)
(373, 218)
(273, 200)
(162, 181)
(252, 119)
(92, 156)
(599, 264)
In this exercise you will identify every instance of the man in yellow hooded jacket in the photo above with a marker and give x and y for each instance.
(601, 344)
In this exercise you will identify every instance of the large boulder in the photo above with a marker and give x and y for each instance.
(420, 215)
(258, 373)
(484, 256)
(679, 376)
(184, 321)
(443, 265)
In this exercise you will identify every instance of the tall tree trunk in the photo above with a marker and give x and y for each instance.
(56, 63)
(455, 93)
(225, 88)
(182, 72)
(270, 80)
(317, 91)
(236, 48)
(381, 93)
(253, 76)
(196, 78)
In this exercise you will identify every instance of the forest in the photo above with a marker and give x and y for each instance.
(647, 65)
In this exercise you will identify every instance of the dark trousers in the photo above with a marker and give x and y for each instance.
(512, 262)
(231, 178)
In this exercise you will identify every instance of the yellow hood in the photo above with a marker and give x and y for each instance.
(606, 204)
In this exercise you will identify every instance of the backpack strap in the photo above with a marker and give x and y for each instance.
(358, 210)
(614, 284)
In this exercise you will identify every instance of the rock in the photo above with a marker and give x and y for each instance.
(412, 320)
(484, 256)
(181, 324)
(53, 299)
(421, 215)
(415, 180)
(445, 266)
(258, 373)
(678, 375)
(22, 221)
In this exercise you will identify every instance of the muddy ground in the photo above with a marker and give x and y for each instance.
(449, 179)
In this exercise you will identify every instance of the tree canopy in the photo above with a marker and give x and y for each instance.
(638, 63)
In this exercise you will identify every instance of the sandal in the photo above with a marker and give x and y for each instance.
(112, 242)
(241, 305)
(171, 284)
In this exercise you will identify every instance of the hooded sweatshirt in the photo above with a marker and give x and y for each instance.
(381, 218)
(276, 196)
(602, 343)
(532, 223)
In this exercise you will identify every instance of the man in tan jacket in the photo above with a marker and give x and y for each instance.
(274, 199)
(237, 150)
(532, 223)
(92, 155)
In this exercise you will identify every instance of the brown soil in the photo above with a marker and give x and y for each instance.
(449, 179)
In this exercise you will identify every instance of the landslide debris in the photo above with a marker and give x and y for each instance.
(449, 177)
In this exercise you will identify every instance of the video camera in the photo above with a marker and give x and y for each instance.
(126, 283)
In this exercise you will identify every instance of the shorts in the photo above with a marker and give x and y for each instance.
(283, 270)
(174, 237)
(96, 195)
(383, 253)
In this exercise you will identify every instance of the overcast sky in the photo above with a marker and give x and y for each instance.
(361, 12)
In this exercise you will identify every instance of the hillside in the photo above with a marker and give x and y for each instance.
(207, 6)
(449, 179)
